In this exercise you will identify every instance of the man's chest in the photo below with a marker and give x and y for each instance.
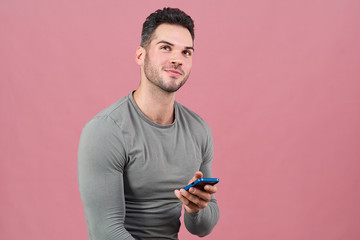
(159, 163)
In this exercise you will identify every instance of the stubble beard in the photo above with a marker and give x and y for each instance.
(153, 75)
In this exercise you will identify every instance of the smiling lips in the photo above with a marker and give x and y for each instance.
(173, 72)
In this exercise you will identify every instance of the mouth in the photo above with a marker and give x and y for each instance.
(173, 72)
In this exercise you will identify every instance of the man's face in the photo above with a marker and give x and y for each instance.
(168, 58)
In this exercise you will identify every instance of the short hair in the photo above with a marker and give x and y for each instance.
(166, 15)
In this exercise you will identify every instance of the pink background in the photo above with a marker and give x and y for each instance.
(278, 82)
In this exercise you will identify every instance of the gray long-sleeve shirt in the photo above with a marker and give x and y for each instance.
(129, 167)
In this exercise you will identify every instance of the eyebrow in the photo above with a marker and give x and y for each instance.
(171, 44)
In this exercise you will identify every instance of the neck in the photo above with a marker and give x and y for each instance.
(156, 105)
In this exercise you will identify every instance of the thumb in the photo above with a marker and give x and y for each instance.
(198, 175)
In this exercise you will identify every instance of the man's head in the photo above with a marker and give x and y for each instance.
(167, 15)
(165, 55)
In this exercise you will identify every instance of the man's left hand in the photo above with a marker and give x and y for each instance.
(195, 199)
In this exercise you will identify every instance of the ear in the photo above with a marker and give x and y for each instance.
(140, 55)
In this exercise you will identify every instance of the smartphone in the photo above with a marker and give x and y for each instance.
(201, 182)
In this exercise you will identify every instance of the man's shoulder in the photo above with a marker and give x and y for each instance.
(114, 109)
(116, 113)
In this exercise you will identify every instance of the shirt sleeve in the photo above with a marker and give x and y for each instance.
(101, 161)
(203, 222)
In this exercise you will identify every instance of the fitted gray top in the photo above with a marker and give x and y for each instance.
(129, 167)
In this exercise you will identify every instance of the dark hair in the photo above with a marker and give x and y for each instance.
(167, 15)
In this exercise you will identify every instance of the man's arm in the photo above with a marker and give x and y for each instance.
(101, 160)
(201, 209)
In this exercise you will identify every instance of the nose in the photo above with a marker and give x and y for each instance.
(175, 59)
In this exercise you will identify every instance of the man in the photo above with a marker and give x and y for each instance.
(136, 155)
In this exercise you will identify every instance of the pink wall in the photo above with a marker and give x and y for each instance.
(278, 82)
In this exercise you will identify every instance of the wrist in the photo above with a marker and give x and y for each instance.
(191, 211)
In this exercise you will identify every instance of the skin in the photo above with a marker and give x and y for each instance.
(195, 199)
(165, 65)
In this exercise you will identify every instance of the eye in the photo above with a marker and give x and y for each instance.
(187, 53)
(166, 48)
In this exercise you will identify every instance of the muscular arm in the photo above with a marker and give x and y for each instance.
(203, 222)
(101, 160)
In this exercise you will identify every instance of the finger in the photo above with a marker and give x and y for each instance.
(189, 206)
(181, 197)
(194, 199)
(200, 194)
(210, 189)
(196, 176)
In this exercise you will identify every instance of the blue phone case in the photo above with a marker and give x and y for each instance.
(201, 182)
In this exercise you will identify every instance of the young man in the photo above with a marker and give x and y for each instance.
(136, 155)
